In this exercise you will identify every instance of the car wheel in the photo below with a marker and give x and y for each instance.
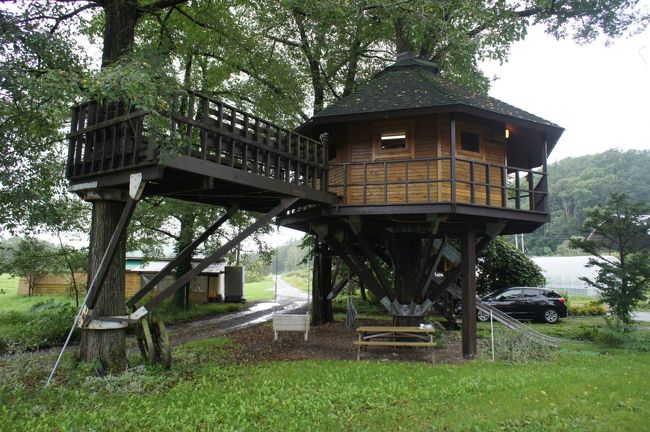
(550, 316)
(482, 316)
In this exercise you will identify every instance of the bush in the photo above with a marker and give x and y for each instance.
(46, 324)
(616, 334)
(514, 347)
(593, 308)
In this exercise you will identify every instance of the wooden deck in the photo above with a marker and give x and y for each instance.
(205, 150)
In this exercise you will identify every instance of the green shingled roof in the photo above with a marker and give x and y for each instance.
(412, 83)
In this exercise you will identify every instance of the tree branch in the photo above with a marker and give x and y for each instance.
(60, 19)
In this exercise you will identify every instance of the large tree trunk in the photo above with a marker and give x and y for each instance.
(182, 296)
(119, 32)
(107, 346)
(407, 259)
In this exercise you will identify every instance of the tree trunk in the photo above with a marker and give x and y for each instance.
(182, 296)
(107, 346)
(406, 257)
(121, 16)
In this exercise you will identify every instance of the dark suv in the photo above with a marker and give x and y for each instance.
(527, 303)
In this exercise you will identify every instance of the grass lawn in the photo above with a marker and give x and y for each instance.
(587, 387)
(8, 283)
(257, 291)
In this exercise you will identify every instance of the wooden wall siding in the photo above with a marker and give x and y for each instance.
(482, 178)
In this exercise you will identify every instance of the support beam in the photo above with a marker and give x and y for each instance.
(322, 286)
(339, 286)
(180, 257)
(373, 259)
(468, 243)
(343, 250)
(218, 254)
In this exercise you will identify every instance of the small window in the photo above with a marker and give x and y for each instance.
(470, 141)
(393, 140)
(551, 294)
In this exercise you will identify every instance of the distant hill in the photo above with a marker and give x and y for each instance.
(579, 183)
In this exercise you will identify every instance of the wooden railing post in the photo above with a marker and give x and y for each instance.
(452, 149)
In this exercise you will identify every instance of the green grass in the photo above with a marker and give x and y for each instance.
(258, 291)
(8, 284)
(12, 302)
(585, 388)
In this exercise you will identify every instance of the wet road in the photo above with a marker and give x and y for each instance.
(290, 300)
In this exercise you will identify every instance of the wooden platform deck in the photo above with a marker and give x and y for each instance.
(205, 151)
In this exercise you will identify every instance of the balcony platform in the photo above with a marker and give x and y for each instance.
(211, 153)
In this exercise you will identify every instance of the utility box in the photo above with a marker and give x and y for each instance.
(234, 289)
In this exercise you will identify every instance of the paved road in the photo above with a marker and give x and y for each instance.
(290, 300)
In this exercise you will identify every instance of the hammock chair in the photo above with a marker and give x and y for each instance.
(291, 322)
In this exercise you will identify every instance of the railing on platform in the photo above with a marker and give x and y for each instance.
(108, 137)
(439, 180)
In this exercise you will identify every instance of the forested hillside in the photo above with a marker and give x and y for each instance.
(579, 183)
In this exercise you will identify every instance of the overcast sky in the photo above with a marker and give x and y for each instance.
(599, 94)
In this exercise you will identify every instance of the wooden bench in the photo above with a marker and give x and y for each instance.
(395, 337)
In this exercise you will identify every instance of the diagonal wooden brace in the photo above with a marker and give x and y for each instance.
(218, 254)
(345, 252)
(374, 264)
(189, 249)
(135, 191)
(339, 286)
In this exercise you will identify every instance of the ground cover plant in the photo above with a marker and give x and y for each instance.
(587, 386)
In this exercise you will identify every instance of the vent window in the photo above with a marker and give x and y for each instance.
(393, 140)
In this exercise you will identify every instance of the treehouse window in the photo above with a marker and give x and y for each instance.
(470, 141)
(393, 139)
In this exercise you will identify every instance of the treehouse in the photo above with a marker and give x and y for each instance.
(404, 180)
(425, 174)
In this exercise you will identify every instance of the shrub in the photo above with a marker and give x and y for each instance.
(514, 347)
(46, 324)
(593, 308)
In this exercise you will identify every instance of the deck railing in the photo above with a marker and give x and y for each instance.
(108, 137)
(439, 180)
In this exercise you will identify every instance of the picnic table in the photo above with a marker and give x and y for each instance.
(395, 336)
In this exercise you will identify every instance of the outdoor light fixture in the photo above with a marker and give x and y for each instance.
(507, 133)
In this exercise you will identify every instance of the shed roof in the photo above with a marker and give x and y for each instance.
(411, 84)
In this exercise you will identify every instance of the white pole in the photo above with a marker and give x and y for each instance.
(492, 333)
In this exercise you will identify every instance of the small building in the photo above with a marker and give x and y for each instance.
(208, 287)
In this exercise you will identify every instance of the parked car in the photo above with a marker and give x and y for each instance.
(526, 303)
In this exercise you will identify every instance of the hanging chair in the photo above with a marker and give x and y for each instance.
(290, 322)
